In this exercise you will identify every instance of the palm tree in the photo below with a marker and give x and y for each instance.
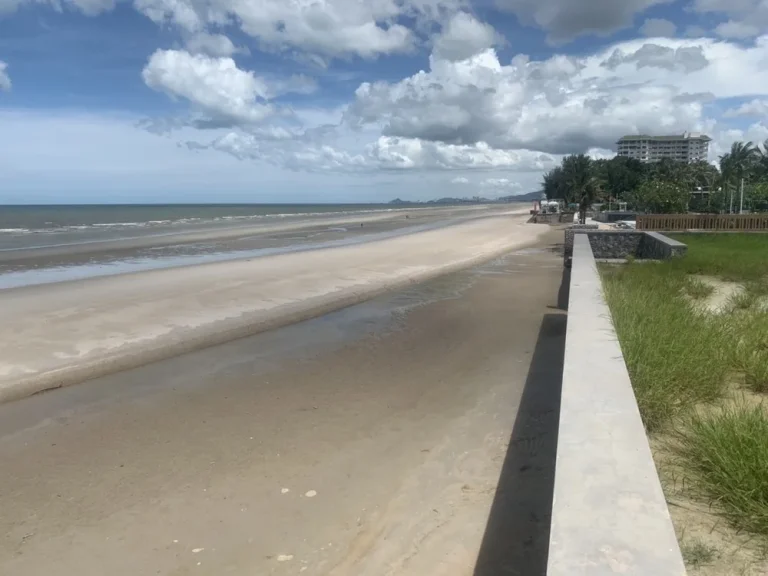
(742, 158)
(582, 185)
(760, 169)
(552, 184)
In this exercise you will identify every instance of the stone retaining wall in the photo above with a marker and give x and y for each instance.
(623, 244)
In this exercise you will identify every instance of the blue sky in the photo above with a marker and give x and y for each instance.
(357, 100)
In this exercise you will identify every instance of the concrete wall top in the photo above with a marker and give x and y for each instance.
(609, 515)
(671, 242)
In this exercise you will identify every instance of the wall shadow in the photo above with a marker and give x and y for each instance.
(565, 289)
(516, 539)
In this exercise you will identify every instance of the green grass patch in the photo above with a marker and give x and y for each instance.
(697, 289)
(741, 301)
(676, 358)
(727, 451)
(750, 348)
(681, 358)
(733, 257)
(697, 554)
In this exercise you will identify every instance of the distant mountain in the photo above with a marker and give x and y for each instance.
(529, 197)
(475, 200)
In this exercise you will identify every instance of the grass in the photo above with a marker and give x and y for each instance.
(697, 554)
(750, 348)
(675, 358)
(728, 452)
(682, 359)
(697, 289)
(732, 257)
(741, 301)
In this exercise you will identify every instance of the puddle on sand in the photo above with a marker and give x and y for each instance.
(261, 353)
(245, 358)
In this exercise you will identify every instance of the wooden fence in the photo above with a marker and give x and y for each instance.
(721, 222)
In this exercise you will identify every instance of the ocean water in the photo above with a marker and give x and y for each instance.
(44, 244)
(36, 219)
(24, 227)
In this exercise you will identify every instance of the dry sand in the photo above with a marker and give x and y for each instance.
(302, 451)
(64, 333)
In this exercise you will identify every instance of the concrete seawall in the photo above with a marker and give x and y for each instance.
(609, 514)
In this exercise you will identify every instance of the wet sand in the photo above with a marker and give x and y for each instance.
(64, 333)
(103, 245)
(371, 441)
(202, 244)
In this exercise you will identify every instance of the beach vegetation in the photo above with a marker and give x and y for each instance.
(700, 373)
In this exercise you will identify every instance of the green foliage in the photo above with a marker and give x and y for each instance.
(728, 454)
(732, 257)
(674, 356)
(580, 180)
(619, 175)
(684, 362)
(658, 196)
(697, 553)
(677, 356)
(757, 196)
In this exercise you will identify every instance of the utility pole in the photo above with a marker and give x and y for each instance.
(741, 201)
(730, 210)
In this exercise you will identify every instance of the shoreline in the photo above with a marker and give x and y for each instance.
(69, 332)
(221, 230)
(78, 265)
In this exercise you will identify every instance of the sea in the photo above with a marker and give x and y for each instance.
(67, 218)
(43, 244)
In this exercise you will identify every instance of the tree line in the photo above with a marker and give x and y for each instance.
(667, 186)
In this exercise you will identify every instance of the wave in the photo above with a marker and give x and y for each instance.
(54, 229)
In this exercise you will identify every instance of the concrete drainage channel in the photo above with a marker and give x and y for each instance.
(609, 514)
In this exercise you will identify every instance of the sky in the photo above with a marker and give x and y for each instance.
(357, 100)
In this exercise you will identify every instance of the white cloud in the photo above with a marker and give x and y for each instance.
(92, 7)
(328, 150)
(758, 108)
(320, 29)
(723, 138)
(327, 28)
(98, 157)
(5, 80)
(600, 153)
(463, 37)
(500, 183)
(459, 180)
(746, 18)
(394, 152)
(565, 104)
(87, 7)
(658, 27)
(740, 30)
(565, 20)
(216, 85)
(683, 58)
(211, 44)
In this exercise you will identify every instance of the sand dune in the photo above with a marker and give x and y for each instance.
(64, 333)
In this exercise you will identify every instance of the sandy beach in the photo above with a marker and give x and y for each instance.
(63, 333)
(410, 434)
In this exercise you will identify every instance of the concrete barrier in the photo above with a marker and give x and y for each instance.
(609, 515)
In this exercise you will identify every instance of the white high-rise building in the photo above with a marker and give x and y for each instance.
(688, 147)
